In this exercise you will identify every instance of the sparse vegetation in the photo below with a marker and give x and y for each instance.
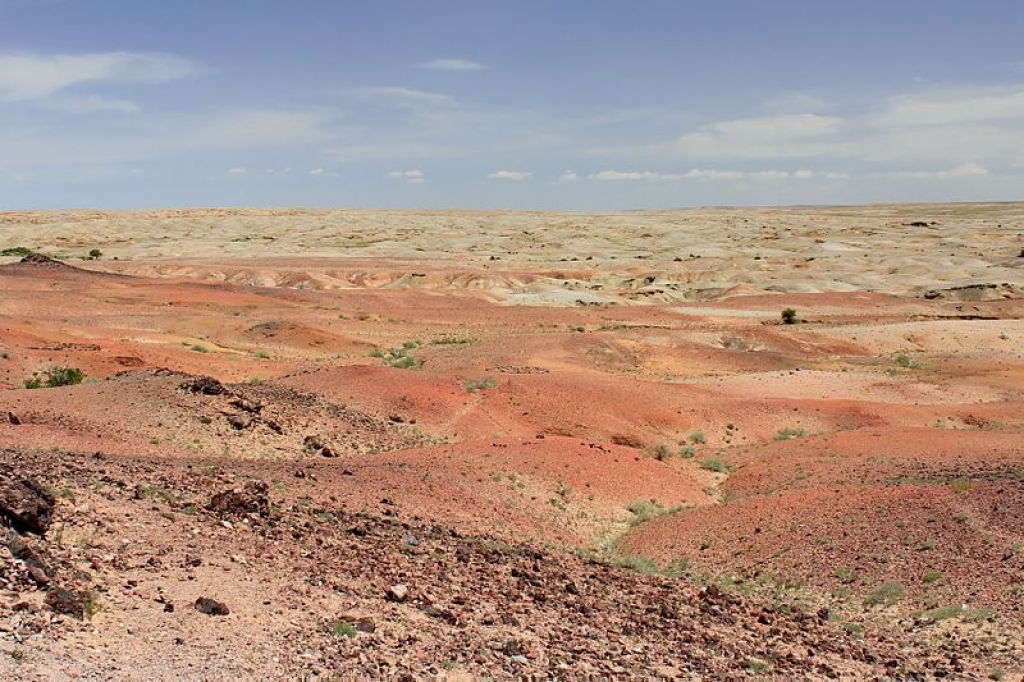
(398, 357)
(845, 575)
(58, 376)
(715, 465)
(90, 605)
(789, 316)
(698, 437)
(474, 385)
(888, 594)
(340, 628)
(905, 361)
(645, 510)
(21, 251)
(94, 254)
(787, 432)
(941, 613)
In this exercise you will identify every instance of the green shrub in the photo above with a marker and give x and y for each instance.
(662, 452)
(58, 376)
(786, 432)
(904, 361)
(17, 251)
(474, 385)
(887, 595)
(789, 316)
(644, 510)
(340, 628)
(845, 575)
(698, 438)
(712, 464)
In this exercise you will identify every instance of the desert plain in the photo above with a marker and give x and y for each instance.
(358, 444)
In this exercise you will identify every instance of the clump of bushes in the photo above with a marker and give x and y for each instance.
(21, 251)
(474, 385)
(786, 432)
(788, 316)
(58, 376)
(886, 595)
(399, 357)
(715, 465)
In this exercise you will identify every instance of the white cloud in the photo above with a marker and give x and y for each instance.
(699, 174)
(633, 175)
(262, 128)
(452, 65)
(509, 175)
(794, 102)
(25, 76)
(238, 170)
(91, 104)
(702, 174)
(945, 107)
(404, 98)
(413, 177)
(567, 176)
(961, 171)
(783, 136)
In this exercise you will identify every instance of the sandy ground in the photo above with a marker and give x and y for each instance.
(586, 444)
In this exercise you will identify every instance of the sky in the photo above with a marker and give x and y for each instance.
(533, 104)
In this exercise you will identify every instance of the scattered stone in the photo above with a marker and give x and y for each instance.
(315, 444)
(211, 607)
(247, 405)
(398, 593)
(68, 602)
(627, 440)
(204, 386)
(250, 499)
(25, 504)
(239, 422)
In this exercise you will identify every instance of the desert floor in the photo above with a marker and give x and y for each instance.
(468, 445)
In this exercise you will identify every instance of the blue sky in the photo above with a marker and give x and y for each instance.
(587, 105)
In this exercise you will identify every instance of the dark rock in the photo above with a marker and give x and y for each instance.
(13, 419)
(398, 593)
(250, 499)
(34, 561)
(204, 386)
(628, 441)
(247, 405)
(211, 607)
(44, 261)
(68, 602)
(316, 444)
(239, 422)
(25, 504)
(362, 624)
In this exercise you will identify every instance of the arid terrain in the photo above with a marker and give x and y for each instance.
(331, 444)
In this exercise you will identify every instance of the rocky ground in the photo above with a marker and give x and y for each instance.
(453, 451)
